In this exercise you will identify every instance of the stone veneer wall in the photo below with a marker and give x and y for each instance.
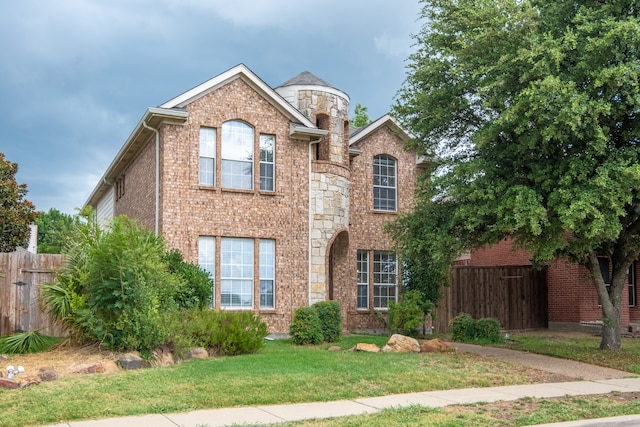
(329, 213)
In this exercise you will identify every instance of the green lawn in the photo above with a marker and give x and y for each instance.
(579, 346)
(280, 373)
(284, 373)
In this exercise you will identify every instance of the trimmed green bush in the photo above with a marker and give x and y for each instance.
(221, 332)
(330, 319)
(488, 329)
(463, 328)
(306, 327)
(406, 316)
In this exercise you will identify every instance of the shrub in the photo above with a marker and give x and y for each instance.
(26, 342)
(463, 328)
(406, 316)
(488, 329)
(330, 319)
(225, 333)
(196, 285)
(306, 327)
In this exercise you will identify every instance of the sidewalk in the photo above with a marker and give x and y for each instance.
(609, 380)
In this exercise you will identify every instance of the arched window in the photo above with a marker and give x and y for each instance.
(237, 155)
(384, 183)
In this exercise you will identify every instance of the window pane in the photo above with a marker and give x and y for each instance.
(385, 267)
(207, 156)
(384, 183)
(236, 273)
(267, 273)
(267, 164)
(363, 279)
(237, 155)
(207, 259)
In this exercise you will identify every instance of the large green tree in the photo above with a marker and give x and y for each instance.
(16, 212)
(55, 229)
(531, 108)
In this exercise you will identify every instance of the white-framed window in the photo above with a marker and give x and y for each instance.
(267, 162)
(385, 278)
(363, 280)
(237, 155)
(207, 156)
(631, 280)
(384, 183)
(236, 273)
(207, 259)
(267, 273)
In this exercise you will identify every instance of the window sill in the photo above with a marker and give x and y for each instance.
(380, 212)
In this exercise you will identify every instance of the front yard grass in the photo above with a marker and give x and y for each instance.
(582, 347)
(280, 373)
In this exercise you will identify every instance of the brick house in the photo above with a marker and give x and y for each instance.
(271, 191)
(573, 302)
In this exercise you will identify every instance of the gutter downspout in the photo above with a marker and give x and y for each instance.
(157, 213)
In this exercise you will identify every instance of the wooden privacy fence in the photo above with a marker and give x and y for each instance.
(21, 274)
(515, 295)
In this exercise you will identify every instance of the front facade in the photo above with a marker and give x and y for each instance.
(272, 192)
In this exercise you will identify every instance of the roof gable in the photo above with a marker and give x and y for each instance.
(358, 134)
(240, 71)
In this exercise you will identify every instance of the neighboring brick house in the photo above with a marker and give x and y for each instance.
(271, 191)
(573, 302)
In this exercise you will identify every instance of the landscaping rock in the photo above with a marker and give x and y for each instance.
(401, 344)
(370, 348)
(8, 383)
(436, 346)
(197, 353)
(29, 380)
(132, 361)
(163, 356)
(335, 348)
(109, 367)
(83, 368)
(47, 374)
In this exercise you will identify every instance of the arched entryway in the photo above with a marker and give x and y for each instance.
(338, 266)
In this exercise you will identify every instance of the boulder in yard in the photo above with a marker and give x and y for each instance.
(132, 361)
(8, 383)
(370, 348)
(47, 374)
(436, 346)
(401, 344)
(197, 353)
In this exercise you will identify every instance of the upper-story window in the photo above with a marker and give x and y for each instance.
(237, 155)
(267, 163)
(207, 156)
(384, 183)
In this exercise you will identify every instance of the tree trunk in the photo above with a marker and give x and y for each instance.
(611, 304)
(611, 330)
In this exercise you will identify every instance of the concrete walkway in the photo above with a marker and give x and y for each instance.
(594, 380)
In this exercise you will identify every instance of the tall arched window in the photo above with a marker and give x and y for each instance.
(237, 155)
(384, 183)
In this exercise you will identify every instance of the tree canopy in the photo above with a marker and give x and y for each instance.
(55, 229)
(16, 212)
(530, 109)
(360, 118)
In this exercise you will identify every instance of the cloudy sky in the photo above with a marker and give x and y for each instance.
(77, 75)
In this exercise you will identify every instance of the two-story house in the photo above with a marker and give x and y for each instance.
(271, 191)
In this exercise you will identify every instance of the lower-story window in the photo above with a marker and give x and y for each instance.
(385, 278)
(363, 279)
(236, 262)
(236, 273)
(207, 260)
(267, 273)
(380, 276)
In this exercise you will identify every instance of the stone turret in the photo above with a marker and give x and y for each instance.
(328, 107)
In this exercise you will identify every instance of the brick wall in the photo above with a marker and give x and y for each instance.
(366, 228)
